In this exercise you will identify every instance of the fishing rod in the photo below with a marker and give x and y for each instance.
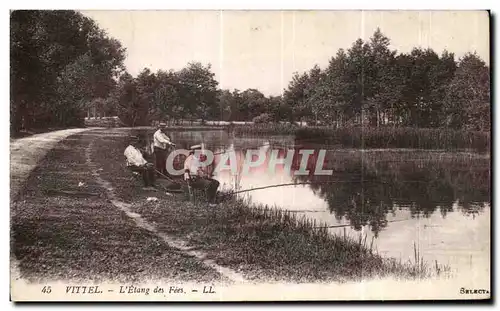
(349, 225)
(163, 175)
(291, 184)
(168, 190)
(316, 183)
(229, 150)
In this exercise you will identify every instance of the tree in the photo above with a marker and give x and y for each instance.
(225, 104)
(49, 49)
(425, 76)
(75, 91)
(336, 89)
(252, 103)
(131, 110)
(382, 75)
(359, 86)
(314, 95)
(467, 102)
(146, 84)
(440, 78)
(277, 108)
(263, 118)
(237, 108)
(295, 97)
(403, 102)
(167, 100)
(198, 91)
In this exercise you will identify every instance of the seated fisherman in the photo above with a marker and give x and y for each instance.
(137, 163)
(198, 176)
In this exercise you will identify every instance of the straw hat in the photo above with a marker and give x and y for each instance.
(195, 147)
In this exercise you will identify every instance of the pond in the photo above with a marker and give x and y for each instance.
(436, 200)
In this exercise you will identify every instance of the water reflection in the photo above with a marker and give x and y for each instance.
(421, 183)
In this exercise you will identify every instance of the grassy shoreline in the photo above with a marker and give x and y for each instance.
(264, 244)
(195, 128)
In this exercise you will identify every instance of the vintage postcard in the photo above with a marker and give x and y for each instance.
(250, 155)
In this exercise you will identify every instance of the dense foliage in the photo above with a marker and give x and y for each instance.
(371, 83)
(62, 64)
(59, 62)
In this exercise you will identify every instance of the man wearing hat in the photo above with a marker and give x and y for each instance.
(161, 143)
(199, 177)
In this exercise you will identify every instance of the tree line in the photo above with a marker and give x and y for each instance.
(63, 64)
(191, 93)
(368, 84)
(371, 83)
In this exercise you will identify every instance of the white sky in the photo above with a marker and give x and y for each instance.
(262, 49)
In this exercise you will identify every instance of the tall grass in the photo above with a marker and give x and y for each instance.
(298, 240)
(378, 137)
(174, 128)
(266, 129)
(399, 137)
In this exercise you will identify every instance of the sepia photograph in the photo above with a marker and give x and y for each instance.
(250, 155)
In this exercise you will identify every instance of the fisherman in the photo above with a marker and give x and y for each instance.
(161, 144)
(136, 162)
(199, 177)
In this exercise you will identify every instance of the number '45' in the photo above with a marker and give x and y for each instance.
(46, 290)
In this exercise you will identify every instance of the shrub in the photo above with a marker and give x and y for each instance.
(263, 118)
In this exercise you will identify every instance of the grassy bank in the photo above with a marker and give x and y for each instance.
(262, 243)
(196, 127)
(31, 132)
(380, 137)
(178, 128)
(266, 129)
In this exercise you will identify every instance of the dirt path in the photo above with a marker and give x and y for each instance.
(25, 153)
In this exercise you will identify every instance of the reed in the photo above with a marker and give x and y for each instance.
(378, 137)
(321, 248)
(266, 129)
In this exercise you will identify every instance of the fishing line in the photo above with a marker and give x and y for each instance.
(290, 184)
(350, 225)
(317, 183)
(307, 211)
